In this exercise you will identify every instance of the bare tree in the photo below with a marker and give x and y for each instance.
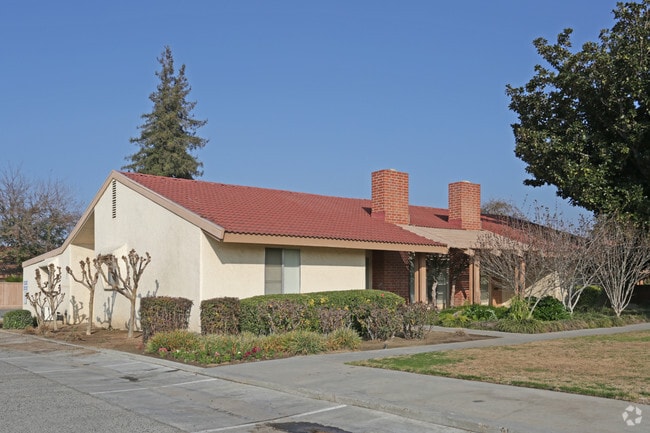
(621, 253)
(88, 280)
(50, 295)
(501, 207)
(518, 260)
(126, 286)
(35, 216)
(570, 252)
(38, 302)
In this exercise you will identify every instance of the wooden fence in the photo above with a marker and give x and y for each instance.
(11, 296)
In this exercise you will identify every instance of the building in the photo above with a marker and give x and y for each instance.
(212, 240)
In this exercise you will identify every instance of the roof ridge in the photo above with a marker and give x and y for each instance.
(131, 175)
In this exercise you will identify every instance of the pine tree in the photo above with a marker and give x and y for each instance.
(168, 134)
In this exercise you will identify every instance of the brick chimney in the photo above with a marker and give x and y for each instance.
(390, 196)
(465, 205)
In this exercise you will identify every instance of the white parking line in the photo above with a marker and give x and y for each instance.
(253, 424)
(115, 391)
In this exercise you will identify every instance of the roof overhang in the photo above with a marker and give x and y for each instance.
(209, 227)
(214, 230)
(242, 238)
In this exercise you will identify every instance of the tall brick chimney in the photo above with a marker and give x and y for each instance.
(390, 196)
(465, 205)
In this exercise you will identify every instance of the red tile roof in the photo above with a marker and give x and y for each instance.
(262, 211)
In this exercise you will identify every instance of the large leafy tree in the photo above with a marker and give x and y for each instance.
(584, 119)
(168, 135)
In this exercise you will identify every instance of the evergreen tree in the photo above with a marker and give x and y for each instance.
(584, 117)
(168, 134)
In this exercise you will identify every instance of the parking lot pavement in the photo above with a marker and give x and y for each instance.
(53, 387)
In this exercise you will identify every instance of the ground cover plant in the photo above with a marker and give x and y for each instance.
(549, 315)
(186, 346)
(611, 366)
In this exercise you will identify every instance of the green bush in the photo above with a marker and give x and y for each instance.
(519, 308)
(549, 308)
(466, 315)
(343, 338)
(285, 315)
(593, 298)
(172, 341)
(18, 319)
(261, 314)
(301, 342)
(220, 316)
(453, 318)
(14, 279)
(163, 313)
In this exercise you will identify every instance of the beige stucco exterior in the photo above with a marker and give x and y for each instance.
(188, 260)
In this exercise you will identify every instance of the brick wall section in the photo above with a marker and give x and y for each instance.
(462, 293)
(465, 205)
(390, 272)
(390, 196)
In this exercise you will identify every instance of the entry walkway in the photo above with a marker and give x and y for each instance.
(474, 406)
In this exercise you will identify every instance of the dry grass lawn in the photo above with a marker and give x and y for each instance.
(611, 366)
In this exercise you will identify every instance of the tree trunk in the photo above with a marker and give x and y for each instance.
(53, 314)
(91, 303)
(132, 318)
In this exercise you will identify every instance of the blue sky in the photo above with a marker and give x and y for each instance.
(299, 95)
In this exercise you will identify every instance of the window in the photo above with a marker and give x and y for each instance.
(281, 271)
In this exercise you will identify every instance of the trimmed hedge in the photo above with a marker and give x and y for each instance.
(267, 314)
(17, 319)
(220, 316)
(162, 314)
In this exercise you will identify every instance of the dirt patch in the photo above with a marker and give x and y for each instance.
(118, 340)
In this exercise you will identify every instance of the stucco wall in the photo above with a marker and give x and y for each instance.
(140, 224)
(237, 270)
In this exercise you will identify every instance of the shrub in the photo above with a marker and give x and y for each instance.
(284, 315)
(268, 314)
(172, 341)
(378, 323)
(331, 319)
(343, 338)
(18, 319)
(466, 315)
(519, 308)
(550, 308)
(303, 342)
(452, 319)
(220, 316)
(415, 317)
(592, 299)
(163, 313)
(264, 314)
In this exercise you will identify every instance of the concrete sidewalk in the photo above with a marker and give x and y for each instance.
(473, 406)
